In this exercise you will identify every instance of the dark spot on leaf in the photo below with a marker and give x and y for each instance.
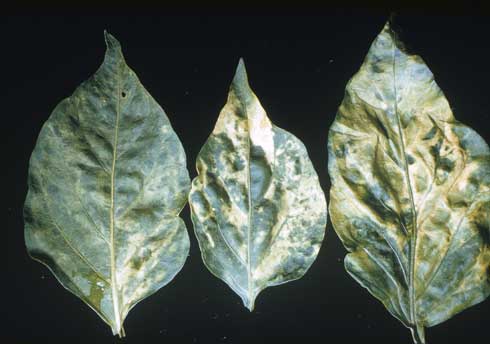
(340, 151)
(446, 164)
(430, 134)
(376, 68)
(136, 263)
(309, 251)
(260, 172)
(239, 164)
(297, 166)
(435, 149)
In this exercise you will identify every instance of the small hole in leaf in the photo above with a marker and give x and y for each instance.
(123, 94)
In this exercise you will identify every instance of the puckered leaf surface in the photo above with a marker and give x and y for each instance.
(107, 181)
(258, 210)
(410, 195)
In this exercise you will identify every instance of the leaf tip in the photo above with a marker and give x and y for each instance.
(240, 80)
(391, 20)
(241, 63)
(111, 42)
(390, 32)
(388, 28)
(241, 72)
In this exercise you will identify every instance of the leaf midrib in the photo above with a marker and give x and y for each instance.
(413, 234)
(114, 289)
(249, 172)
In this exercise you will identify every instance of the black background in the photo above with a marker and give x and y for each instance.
(298, 65)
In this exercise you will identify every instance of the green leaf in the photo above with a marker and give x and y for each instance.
(258, 209)
(107, 181)
(410, 195)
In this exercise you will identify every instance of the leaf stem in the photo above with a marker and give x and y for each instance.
(418, 334)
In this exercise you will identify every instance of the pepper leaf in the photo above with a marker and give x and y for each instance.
(410, 196)
(257, 207)
(107, 181)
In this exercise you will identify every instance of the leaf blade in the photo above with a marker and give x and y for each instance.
(398, 154)
(244, 171)
(97, 186)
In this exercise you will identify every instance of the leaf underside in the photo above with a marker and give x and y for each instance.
(107, 181)
(410, 195)
(258, 211)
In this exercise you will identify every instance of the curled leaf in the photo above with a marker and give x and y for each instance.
(258, 209)
(410, 195)
(107, 181)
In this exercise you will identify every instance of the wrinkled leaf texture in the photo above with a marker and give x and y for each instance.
(410, 196)
(107, 181)
(258, 210)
